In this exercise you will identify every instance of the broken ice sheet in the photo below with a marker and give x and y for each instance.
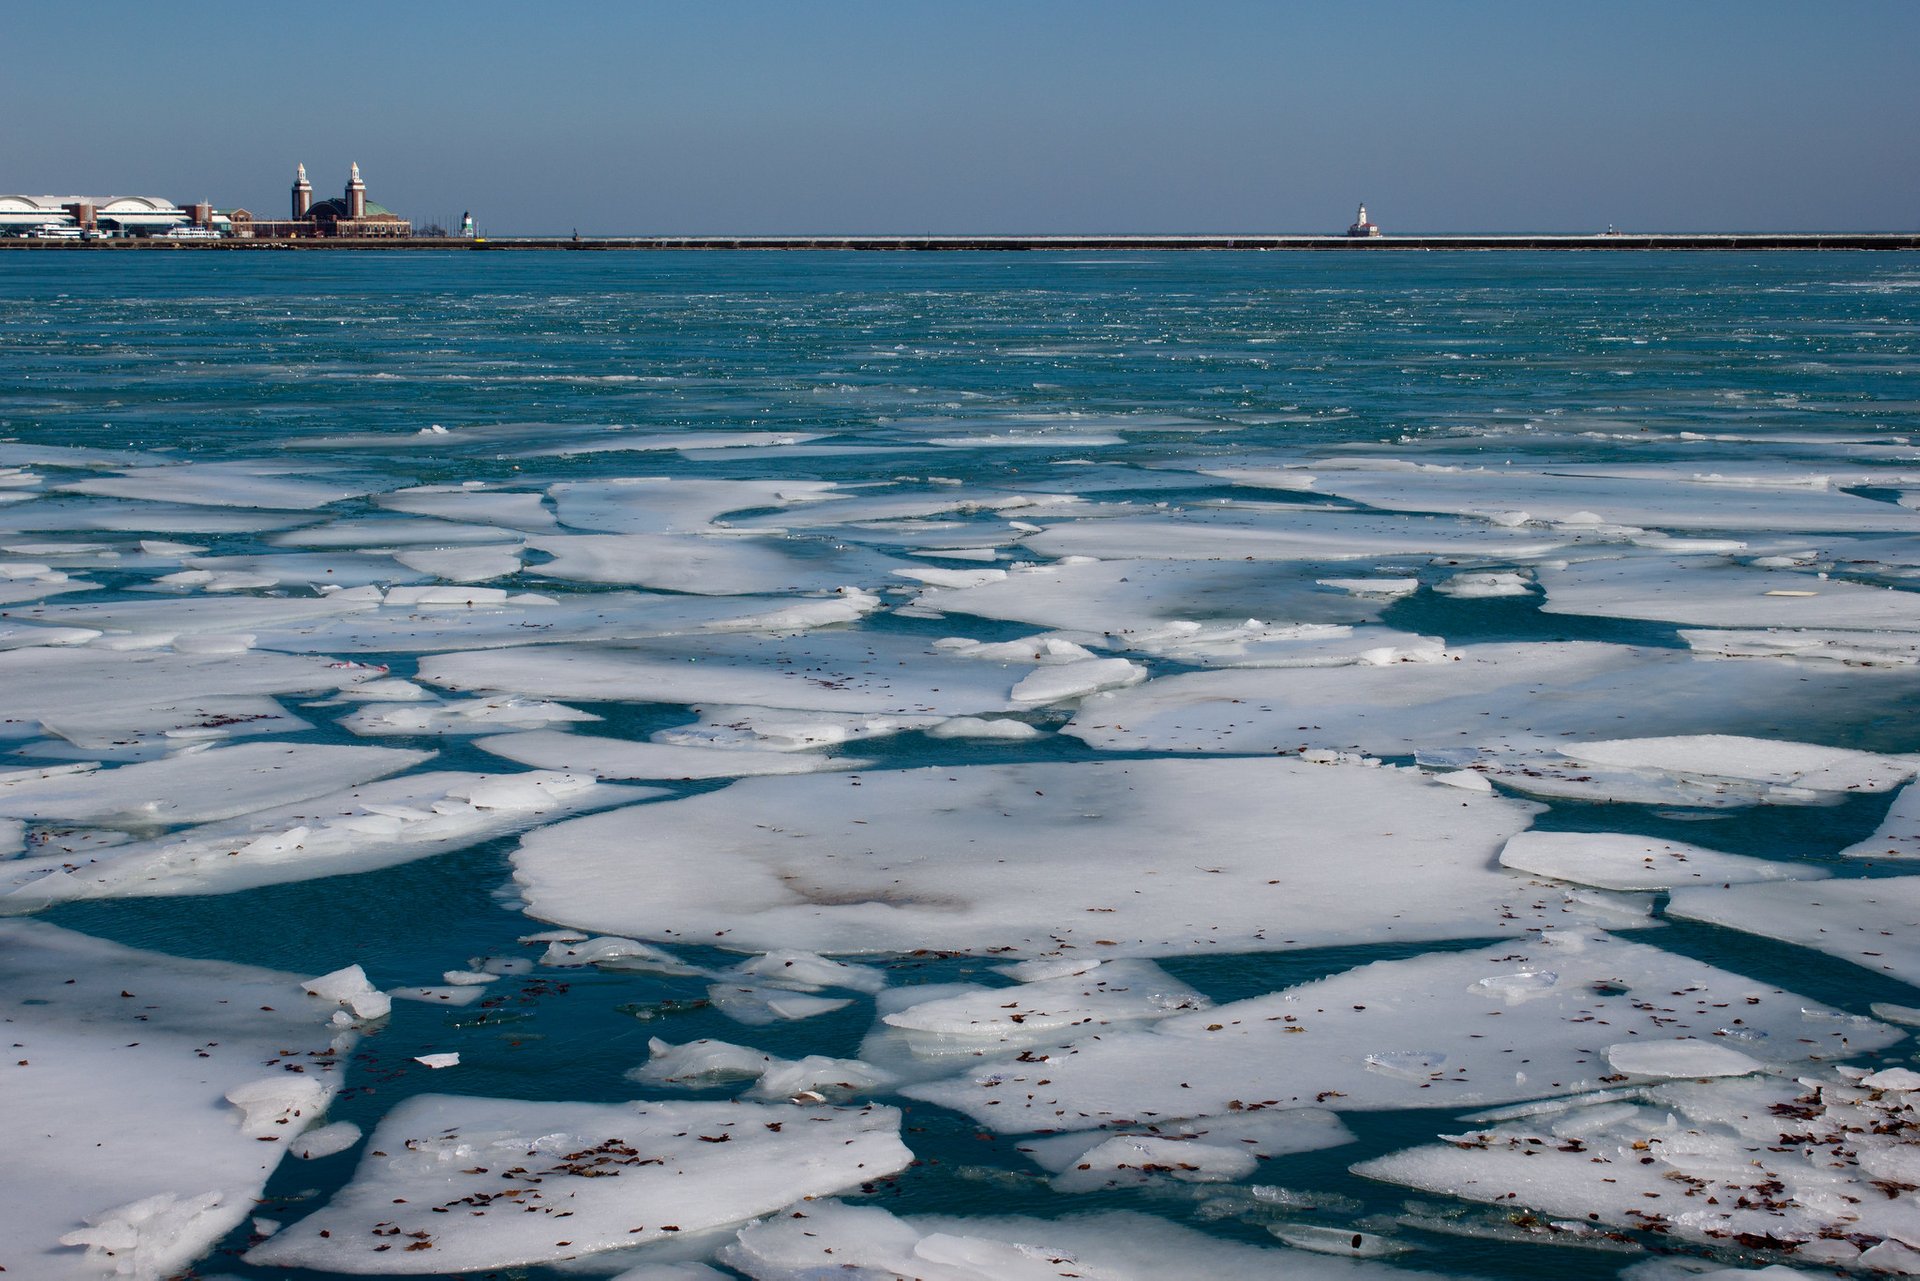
(1705, 770)
(619, 758)
(832, 671)
(1290, 533)
(676, 504)
(363, 828)
(1520, 1020)
(1871, 922)
(1711, 593)
(534, 1182)
(830, 1238)
(1854, 648)
(702, 565)
(1194, 856)
(463, 564)
(1481, 696)
(1898, 836)
(1097, 995)
(1220, 1149)
(117, 1111)
(460, 716)
(1620, 861)
(1684, 501)
(814, 1078)
(243, 485)
(1128, 598)
(1821, 1170)
(195, 786)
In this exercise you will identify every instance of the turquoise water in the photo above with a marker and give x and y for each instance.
(1150, 366)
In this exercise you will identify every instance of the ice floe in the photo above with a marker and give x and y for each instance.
(1394, 1034)
(826, 671)
(126, 1156)
(1715, 595)
(836, 1239)
(1869, 922)
(376, 825)
(195, 787)
(1532, 697)
(622, 759)
(1227, 855)
(1620, 861)
(1820, 1171)
(534, 1182)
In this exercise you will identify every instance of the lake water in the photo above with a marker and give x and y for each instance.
(1299, 583)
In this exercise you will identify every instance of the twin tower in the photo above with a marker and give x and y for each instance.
(355, 199)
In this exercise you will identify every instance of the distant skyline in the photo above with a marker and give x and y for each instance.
(995, 118)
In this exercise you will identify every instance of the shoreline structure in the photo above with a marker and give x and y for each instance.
(1367, 244)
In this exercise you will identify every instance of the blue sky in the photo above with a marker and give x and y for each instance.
(841, 116)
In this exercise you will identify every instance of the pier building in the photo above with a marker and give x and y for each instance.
(349, 214)
(80, 217)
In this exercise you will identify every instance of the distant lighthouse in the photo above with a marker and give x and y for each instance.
(1361, 227)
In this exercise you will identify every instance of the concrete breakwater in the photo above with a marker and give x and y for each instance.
(1380, 244)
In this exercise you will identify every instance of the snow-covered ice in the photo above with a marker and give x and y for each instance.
(126, 1155)
(535, 1182)
(1194, 856)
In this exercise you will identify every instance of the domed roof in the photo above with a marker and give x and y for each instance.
(336, 209)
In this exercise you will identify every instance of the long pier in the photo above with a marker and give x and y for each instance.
(1739, 242)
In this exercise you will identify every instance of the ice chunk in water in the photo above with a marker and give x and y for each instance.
(372, 826)
(349, 989)
(813, 1078)
(1619, 861)
(1871, 923)
(834, 1239)
(1233, 852)
(619, 758)
(540, 1182)
(325, 1141)
(1758, 1162)
(116, 1113)
(1213, 1150)
(196, 787)
(1075, 680)
(1539, 1014)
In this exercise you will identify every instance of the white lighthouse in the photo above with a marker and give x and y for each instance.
(1361, 227)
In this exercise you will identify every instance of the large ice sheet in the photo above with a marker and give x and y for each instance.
(832, 1239)
(1709, 593)
(704, 566)
(1128, 600)
(675, 504)
(473, 503)
(1592, 499)
(1294, 533)
(391, 626)
(195, 787)
(356, 830)
(116, 1108)
(525, 1182)
(1193, 856)
(1519, 1020)
(622, 758)
(1874, 923)
(1484, 695)
(218, 485)
(826, 671)
(1821, 1170)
